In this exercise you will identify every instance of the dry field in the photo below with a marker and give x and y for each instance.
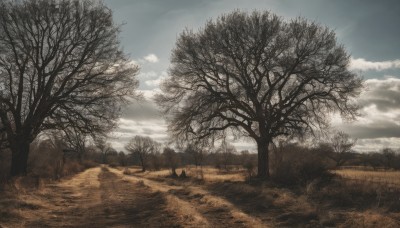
(118, 197)
(379, 178)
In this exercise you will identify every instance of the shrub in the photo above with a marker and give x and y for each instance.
(300, 166)
(127, 171)
(87, 164)
(72, 167)
(250, 167)
(361, 194)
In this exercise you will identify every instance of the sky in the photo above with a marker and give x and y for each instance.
(368, 29)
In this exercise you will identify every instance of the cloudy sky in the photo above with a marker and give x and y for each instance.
(368, 29)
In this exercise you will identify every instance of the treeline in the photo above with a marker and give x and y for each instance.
(55, 155)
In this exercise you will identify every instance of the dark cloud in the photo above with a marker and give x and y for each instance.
(384, 94)
(368, 28)
(377, 129)
(144, 110)
(121, 129)
(380, 111)
(148, 131)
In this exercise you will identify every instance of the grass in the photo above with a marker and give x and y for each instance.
(389, 179)
(209, 197)
(207, 173)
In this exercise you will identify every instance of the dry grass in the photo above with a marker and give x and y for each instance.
(382, 178)
(126, 196)
(208, 174)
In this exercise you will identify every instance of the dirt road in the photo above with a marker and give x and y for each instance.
(105, 197)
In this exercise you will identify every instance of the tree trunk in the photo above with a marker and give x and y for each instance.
(19, 158)
(263, 161)
(142, 162)
(174, 172)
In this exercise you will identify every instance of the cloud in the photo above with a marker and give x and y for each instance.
(156, 81)
(140, 118)
(377, 144)
(130, 127)
(142, 110)
(380, 116)
(152, 58)
(151, 80)
(364, 65)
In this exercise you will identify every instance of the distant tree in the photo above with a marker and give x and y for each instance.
(256, 75)
(143, 147)
(171, 160)
(375, 160)
(122, 159)
(389, 157)
(341, 145)
(226, 152)
(196, 153)
(60, 65)
(155, 158)
(104, 148)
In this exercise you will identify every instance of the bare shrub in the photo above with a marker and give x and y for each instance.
(87, 164)
(127, 171)
(183, 174)
(359, 194)
(199, 174)
(72, 167)
(300, 166)
(141, 183)
(250, 167)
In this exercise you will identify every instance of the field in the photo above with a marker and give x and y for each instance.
(126, 197)
(389, 179)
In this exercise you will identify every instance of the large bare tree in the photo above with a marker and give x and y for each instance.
(61, 65)
(259, 76)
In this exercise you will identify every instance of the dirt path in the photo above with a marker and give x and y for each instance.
(105, 197)
(207, 209)
(94, 198)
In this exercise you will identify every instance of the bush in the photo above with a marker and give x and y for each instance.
(300, 167)
(72, 167)
(360, 194)
(87, 164)
(127, 171)
(250, 167)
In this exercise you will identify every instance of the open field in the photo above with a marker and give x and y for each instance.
(120, 197)
(380, 178)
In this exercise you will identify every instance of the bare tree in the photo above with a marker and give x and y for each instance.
(104, 148)
(258, 76)
(60, 65)
(76, 140)
(171, 159)
(226, 151)
(389, 157)
(341, 144)
(143, 147)
(196, 153)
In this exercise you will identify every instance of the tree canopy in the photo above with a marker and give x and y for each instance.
(257, 75)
